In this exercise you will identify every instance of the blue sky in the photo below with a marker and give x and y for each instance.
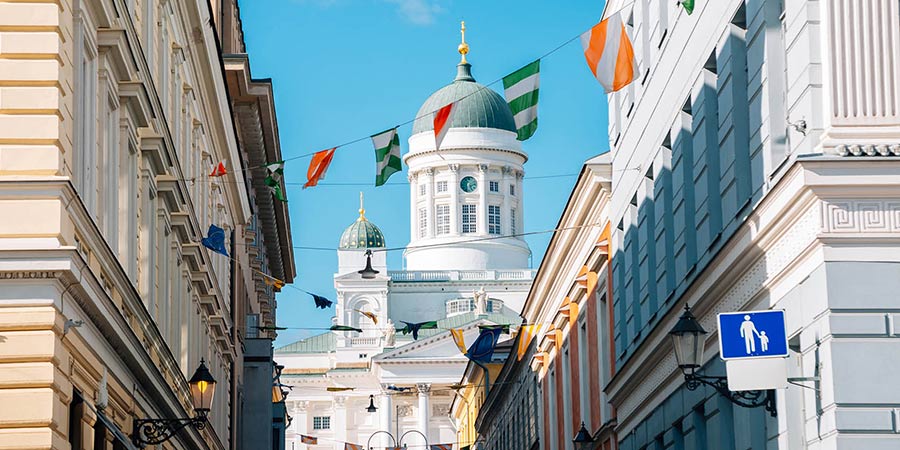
(345, 69)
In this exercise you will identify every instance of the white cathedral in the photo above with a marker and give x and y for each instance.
(463, 269)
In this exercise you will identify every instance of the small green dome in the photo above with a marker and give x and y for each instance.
(362, 234)
(478, 106)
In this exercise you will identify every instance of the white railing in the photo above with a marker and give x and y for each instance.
(365, 341)
(462, 275)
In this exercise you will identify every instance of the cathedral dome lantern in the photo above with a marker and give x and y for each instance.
(360, 236)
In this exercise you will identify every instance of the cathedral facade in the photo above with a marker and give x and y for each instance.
(466, 266)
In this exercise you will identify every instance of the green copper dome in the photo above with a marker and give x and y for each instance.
(362, 234)
(478, 106)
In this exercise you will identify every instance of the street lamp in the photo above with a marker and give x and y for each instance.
(688, 340)
(368, 273)
(371, 408)
(583, 440)
(155, 431)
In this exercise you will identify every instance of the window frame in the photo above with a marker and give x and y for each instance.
(441, 219)
(324, 423)
(469, 218)
(494, 220)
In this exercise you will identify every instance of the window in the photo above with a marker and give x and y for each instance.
(512, 221)
(469, 220)
(441, 186)
(494, 186)
(493, 219)
(76, 414)
(422, 190)
(442, 219)
(512, 189)
(423, 222)
(322, 423)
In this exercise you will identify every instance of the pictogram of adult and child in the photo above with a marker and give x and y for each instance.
(750, 334)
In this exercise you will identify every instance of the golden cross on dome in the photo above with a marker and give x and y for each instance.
(463, 47)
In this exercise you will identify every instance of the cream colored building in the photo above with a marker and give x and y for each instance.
(112, 115)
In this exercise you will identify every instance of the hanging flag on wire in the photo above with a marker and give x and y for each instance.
(318, 166)
(387, 155)
(609, 53)
(441, 447)
(368, 314)
(219, 170)
(338, 389)
(526, 334)
(215, 240)
(344, 328)
(483, 349)
(688, 5)
(321, 302)
(442, 119)
(272, 281)
(275, 172)
(459, 339)
(349, 446)
(521, 91)
(308, 440)
(415, 327)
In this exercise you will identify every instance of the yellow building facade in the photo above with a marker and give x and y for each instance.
(112, 115)
(472, 392)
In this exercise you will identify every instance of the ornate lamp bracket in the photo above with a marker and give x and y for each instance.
(746, 399)
(156, 431)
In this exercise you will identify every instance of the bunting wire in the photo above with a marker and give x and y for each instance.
(431, 113)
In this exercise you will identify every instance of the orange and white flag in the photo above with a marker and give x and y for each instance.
(526, 334)
(219, 170)
(318, 166)
(308, 440)
(442, 119)
(609, 53)
(349, 446)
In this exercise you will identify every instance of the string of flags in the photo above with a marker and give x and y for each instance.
(609, 54)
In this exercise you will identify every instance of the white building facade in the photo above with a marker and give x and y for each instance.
(759, 169)
(465, 210)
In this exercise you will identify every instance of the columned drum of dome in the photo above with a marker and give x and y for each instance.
(471, 188)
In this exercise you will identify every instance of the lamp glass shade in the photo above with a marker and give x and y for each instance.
(583, 440)
(368, 273)
(688, 339)
(203, 387)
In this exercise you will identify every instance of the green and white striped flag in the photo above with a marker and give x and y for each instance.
(688, 5)
(387, 155)
(521, 91)
(275, 173)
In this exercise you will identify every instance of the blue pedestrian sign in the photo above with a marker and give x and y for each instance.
(752, 334)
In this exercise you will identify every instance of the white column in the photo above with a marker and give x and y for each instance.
(429, 200)
(424, 407)
(453, 187)
(386, 410)
(301, 420)
(505, 208)
(482, 199)
(520, 203)
(340, 419)
(413, 207)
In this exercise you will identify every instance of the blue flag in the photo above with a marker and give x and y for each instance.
(482, 350)
(321, 302)
(215, 240)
